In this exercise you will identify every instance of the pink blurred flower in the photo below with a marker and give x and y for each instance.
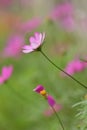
(40, 89)
(75, 66)
(51, 100)
(68, 23)
(13, 47)
(5, 3)
(6, 73)
(78, 66)
(35, 42)
(49, 111)
(29, 25)
(69, 69)
(64, 14)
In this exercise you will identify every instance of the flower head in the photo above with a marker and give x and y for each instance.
(63, 14)
(35, 42)
(62, 10)
(75, 66)
(41, 90)
(30, 25)
(6, 73)
(13, 47)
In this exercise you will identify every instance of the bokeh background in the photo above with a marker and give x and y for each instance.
(65, 25)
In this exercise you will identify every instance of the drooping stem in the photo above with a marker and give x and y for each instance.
(58, 118)
(59, 68)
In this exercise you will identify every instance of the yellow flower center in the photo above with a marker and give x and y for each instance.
(43, 93)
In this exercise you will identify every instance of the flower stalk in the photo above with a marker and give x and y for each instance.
(59, 68)
(58, 118)
(41, 90)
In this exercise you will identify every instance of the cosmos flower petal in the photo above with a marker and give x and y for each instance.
(34, 45)
(38, 88)
(49, 111)
(51, 100)
(36, 40)
(43, 37)
(39, 39)
(37, 35)
(7, 71)
(32, 40)
(27, 49)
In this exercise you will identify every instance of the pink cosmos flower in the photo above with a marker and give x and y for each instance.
(35, 42)
(6, 73)
(13, 47)
(40, 89)
(64, 14)
(50, 112)
(62, 10)
(29, 25)
(75, 66)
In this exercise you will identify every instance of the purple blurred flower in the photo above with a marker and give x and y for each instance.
(49, 111)
(51, 100)
(5, 3)
(40, 89)
(62, 10)
(13, 47)
(35, 42)
(64, 14)
(75, 66)
(6, 73)
(30, 25)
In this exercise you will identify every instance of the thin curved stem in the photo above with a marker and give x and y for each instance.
(59, 68)
(58, 118)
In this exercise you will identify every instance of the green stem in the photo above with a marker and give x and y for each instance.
(62, 70)
(58, 118)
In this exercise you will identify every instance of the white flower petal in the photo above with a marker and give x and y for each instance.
(27, 51)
